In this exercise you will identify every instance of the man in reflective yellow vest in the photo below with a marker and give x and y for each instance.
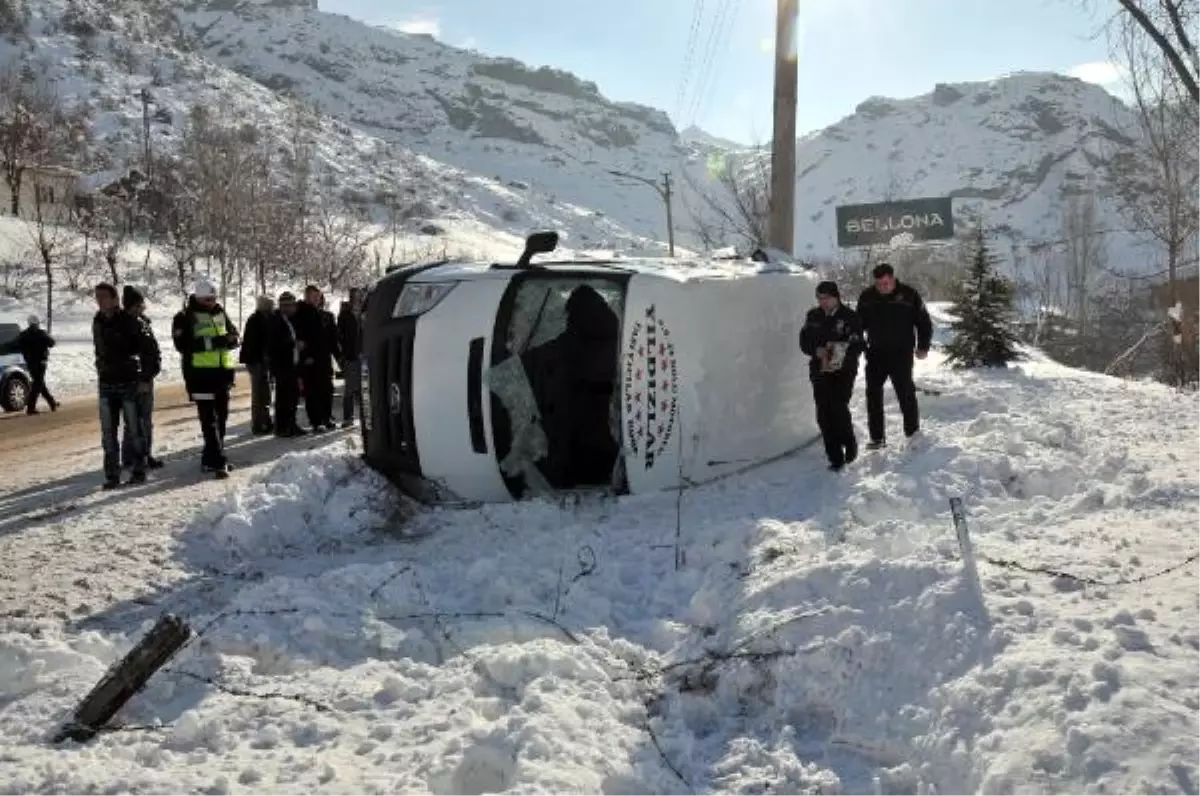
(205, 338)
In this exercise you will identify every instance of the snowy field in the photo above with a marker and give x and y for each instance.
(820, 637)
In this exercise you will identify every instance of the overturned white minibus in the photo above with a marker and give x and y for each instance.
(493, 382)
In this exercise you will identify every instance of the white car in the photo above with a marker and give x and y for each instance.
(493, 382)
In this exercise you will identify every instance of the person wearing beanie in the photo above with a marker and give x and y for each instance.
(896, 324)
(150, 356)
(205, 338)
(254, 356)
(34, 344)
(832, 338)
(316, 330)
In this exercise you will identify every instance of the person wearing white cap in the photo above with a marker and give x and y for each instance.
(34, 344)
(205, 338)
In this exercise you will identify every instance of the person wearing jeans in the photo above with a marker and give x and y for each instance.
(151, 363)
(118, 341)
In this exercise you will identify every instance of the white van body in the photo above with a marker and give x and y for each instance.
(708, 377)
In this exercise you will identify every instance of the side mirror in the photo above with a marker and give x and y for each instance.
(537, 243)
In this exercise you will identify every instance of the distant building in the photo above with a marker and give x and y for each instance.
(52, 188)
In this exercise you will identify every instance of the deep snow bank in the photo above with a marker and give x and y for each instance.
(820, 637)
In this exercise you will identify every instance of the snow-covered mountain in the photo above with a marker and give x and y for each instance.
(512, 147)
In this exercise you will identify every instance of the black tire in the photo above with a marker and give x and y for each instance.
(14, 393)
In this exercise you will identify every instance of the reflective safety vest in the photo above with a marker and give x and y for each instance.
(206, 327)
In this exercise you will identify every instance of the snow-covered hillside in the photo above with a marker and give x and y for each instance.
(496, 142)
(822, 635)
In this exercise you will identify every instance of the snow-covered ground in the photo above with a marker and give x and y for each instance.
(821, 635)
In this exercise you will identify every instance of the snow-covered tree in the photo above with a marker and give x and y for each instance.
(984, 328)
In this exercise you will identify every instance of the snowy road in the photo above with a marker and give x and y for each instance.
(821, 636)
(66, 547)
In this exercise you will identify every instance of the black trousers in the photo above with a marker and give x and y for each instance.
(831, 393)
(318, 395)
(37, 373)
(896, 366)
(214, 414)
(287, 398)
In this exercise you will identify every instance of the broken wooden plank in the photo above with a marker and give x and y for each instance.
(126, 678)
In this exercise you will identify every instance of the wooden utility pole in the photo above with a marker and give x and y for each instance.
(664, 191)
(782, 226)
(145, 97)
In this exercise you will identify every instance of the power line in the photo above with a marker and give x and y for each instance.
(717, 35)
(688, 56)
(707, 94)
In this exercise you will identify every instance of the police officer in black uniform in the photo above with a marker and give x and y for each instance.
(832, 336)
(896, 322)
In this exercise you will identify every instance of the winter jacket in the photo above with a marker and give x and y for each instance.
(34, 345)
(821, 328)
(254, 339)
(349, 332)
(208, 360)
(308, 324)
(280, 347)
(149, 352)
(118, 342)
(329, 331)
(889, 321)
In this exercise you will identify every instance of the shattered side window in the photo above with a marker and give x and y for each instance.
(539, 316)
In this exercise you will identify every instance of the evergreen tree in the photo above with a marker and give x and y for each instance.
(984, 329)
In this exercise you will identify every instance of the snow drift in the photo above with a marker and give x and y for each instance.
(820, 636)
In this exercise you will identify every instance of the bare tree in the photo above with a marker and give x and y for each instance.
(1085, 255)
(49, 240)
(1164, 26)
(740, 207)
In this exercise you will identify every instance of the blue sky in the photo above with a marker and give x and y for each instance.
(848, 49)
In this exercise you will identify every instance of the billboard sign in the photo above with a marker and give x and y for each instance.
(879, 222)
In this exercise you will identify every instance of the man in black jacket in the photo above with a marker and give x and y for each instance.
(317, 331)
(891, 311)
(151, 362)
(349, 332)
(118, 340)
(283, 358)
(832, 336)
(34, 345)
(205, 338)
(254, 356)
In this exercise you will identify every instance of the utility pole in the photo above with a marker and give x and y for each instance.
(664, 191)
(145, 97)
(782, 227)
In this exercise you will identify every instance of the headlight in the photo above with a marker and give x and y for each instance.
(420, 297)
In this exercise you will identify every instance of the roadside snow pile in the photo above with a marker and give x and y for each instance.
(315, 502)
(820, 637)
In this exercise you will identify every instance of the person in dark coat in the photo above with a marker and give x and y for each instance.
(205, 337)
(832, 337)
(349, 333)
(283, 359)
(253, 355)
(151, 360)
(34, 344)
(317, 330)
(896, 322)
(118, 341)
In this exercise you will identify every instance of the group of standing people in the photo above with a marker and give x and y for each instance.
(892, 326)
(292, 350)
